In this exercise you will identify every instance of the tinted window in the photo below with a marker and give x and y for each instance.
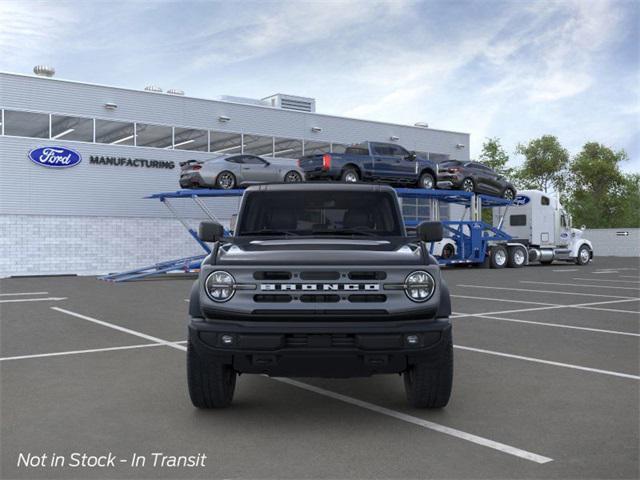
(153, 136)
(312, 148)
(225, 143)
(236, 159)
(26, 124)
(253, 160)
(518, 220)
(287, 148)
(190, 139)
(357, 151)
(71, 128)
(258, 145)
(114, 133)
(544, 201)
(398, 151)
(319, 213)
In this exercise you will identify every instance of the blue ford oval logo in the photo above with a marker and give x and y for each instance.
(55, 157)
(521, 200)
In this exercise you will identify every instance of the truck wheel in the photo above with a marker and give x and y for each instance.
(226, 180)
(508, 194)
(350, 175)
(428, 385)
(517, 257)
(584, 255)
(427, 181)
(292, 177)
(211, 384)
(499, 256)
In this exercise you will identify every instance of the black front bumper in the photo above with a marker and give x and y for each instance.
(287, 349)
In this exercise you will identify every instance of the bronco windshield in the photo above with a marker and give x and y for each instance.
(321, 213)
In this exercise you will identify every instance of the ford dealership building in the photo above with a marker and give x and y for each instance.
(76, 205)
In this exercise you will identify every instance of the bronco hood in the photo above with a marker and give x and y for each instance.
(320, 251)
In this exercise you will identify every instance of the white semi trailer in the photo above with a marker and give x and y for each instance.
(540, 223)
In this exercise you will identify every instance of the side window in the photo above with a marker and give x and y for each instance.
(236, 159)
(518, 220)
(381, 149)
(250, 159)
(398, 151)
(544, 201)
(563, 220)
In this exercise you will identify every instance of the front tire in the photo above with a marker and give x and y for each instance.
(468, 185)
(509, 194)
(427, 181)
(428, 385)
(292, 177)
(584, 255)
(211, 384)
(350, 175)
(226, 180)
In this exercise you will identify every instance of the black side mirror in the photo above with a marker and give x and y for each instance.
(210, 231)
(412, 156)
(430, 231)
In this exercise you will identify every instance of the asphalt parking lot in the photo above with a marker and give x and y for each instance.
(546, 386)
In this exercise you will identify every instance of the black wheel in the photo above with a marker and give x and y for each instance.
(226, 180)
(211, 384)
(448, 251)
(427, 181)
(509, 194)
(350, 175)
(468, 185)
(292, 177)
(517, 257)
(499, 256)
(584, 255)
(428, 384)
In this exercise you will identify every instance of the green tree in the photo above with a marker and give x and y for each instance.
(494, 156)
(545, 164)
(600, 195)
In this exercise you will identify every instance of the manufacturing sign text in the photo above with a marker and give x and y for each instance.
(55, 157)
(130, 162)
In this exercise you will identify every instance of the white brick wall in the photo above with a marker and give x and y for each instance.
(45, 245)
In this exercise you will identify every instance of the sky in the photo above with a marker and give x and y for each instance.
(515, 70)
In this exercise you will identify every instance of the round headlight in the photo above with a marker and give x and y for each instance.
(419, 286)
(220, 286)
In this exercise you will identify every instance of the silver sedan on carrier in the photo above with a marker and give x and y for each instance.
(233, 171)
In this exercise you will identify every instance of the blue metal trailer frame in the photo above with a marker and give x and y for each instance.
(472, 237)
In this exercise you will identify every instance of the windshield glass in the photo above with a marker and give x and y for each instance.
(356, 213)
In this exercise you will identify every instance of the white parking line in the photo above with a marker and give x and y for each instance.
(546, 324)
(528, 290)
(604, 280)
(398, 415)
(121, 329)
(552, 307)
(567, 270)
(22, 293)
(628, 276)
(92, 350)
(502, 300)
(485, 442)
(47, 299)
(549, 362)
(582, 285)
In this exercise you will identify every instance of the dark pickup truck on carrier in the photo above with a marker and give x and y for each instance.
(372, 162)
(320, 280)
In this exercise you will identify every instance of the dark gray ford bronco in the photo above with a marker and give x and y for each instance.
(320, 280)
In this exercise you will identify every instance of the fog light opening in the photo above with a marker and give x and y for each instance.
(227, 339)
(412, 339)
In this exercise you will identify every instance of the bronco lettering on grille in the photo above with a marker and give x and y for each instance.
(325, 287)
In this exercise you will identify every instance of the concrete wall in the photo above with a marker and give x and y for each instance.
(613, 241)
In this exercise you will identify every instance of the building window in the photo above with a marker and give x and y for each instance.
(287, 148)
(71, 128)
(157, 136)
(313, 148)
(114, 133)
(225, 143)
(190, 139)
(258, 145)
(26, 124)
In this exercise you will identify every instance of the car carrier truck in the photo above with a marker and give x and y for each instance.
(539, 222)
(320, 280)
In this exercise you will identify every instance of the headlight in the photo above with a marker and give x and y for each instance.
(220, 286)
(419, 286)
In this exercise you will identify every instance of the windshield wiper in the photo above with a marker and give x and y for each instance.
(266, 231)
(348, 231)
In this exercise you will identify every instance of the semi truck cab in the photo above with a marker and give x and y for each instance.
(539, 221)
